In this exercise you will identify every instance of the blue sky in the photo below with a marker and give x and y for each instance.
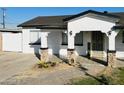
(15, 16)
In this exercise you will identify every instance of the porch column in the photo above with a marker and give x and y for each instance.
(111, 52)
(71, 51)
(44, 47)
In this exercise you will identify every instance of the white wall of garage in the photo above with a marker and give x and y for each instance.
(12, 41)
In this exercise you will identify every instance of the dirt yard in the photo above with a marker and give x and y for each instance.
(19, 69)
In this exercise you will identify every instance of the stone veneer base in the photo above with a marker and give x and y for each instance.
(44, 55)
(71, 57)
(111, 58)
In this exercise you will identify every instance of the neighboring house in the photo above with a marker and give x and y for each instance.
(93, 33)
(10, 40)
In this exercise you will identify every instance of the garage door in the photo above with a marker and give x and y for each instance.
(12, 41)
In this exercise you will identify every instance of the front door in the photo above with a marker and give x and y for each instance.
(97, 43)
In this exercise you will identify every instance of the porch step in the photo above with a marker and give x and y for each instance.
(97, 54)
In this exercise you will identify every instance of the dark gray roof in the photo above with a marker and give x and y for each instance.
(46, 22)
(58, 22)
(121, 17)
(120, 24)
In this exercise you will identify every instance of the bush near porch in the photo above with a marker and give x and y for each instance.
(116, 78)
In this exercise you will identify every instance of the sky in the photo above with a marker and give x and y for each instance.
(17, 15)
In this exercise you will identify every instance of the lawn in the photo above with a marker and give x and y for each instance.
(116, 78)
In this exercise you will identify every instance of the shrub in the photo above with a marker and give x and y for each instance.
(42, 64)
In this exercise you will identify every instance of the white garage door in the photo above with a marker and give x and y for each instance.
(12, 41)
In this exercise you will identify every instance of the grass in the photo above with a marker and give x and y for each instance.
(85, 81)
(116, 78)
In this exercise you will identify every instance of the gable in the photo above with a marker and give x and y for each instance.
(99, 17)
(90, 24)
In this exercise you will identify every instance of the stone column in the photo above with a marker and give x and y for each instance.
(44, 47)
(71, 57)
(111, 52)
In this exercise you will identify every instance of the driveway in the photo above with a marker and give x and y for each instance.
(14, 63)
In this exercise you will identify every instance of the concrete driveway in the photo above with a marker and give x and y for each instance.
(14, 63)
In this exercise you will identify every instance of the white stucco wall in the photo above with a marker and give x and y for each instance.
(54, 42)
(26, 40)
(119, 45)
(11, 41)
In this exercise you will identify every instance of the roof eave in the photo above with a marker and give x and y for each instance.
(46, 27)
(118, 28)
(62, 28)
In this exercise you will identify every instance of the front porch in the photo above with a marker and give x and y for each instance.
(94, 45)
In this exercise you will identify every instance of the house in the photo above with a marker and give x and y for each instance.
(92, 33)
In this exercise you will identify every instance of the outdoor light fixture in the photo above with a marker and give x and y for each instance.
(70, 33)
(65, 32)
(109, 32)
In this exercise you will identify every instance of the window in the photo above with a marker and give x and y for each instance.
(79, 39)
(35, 37)
(123, 37)
(64, 39)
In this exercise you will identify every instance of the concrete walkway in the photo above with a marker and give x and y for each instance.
(20, 69)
